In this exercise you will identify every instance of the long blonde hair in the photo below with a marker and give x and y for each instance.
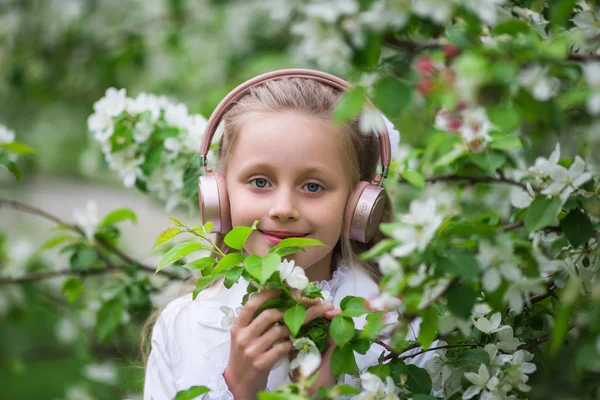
(317, 100)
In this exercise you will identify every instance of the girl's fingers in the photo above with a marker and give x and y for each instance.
(317, 311)
(270, 337)
(332, 313)
(268, 359)
(264, 320)
(251, 307)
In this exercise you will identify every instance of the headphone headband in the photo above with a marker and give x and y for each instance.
(238, 92)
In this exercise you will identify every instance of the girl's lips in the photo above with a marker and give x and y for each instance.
(274, 237)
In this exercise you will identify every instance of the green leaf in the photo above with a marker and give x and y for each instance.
(11, 166)
(381, 247)
(561, 11)
(451, 156)
(343, 361)
(83, 258)
(461, 299)
(191, 393)
(17, 148)
(201, 264)
(506, 142)
(236, 237)
(294, 318)
(460, 264)
(119, 215)
(261, 268)
(72, 288)
(228, 261)
(349, 106)
(375, 322)
(177, 222)
(511, 27)
(473, 358)
(178, 252)
(415, 178)
(542, 212)
(429, 328)
(577, 227)
(504, 117)
(354, 307)
(418, 380)
(342, 330)
(285, 251)
(299, 242)
(166, 235)
(55, 241)
(392, 96)
(152, 159)
(232, 276)
(207, 228)
(109, 317)
(381, 370)
(205, 281)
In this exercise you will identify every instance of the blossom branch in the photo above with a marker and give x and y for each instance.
(16, 205)
(38, 276)
(442, 347)
(534, 342)
(472, 180)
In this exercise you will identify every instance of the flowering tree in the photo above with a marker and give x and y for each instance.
(491, 264)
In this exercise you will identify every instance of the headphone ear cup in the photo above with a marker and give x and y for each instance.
(214, 202)
(364, 210)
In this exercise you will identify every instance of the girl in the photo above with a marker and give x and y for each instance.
(288, 166)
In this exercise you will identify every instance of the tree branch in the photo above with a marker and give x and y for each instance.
(534, 342)
(442, 347)
(38, 276)
(15, 205)
(471, 180)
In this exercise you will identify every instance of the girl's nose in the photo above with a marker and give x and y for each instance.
(284, 206)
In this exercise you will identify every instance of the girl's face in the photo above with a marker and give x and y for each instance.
(287, 171)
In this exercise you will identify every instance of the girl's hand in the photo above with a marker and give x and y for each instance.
(256, 345)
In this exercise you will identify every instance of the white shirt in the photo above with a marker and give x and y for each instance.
(190, 344)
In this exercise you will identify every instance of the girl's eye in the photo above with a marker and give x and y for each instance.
(260, 183)
(313, 187)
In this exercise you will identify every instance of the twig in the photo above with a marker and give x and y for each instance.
(38, 276)
(471, 179)
(442, 347)
(15, 205)
(534, 342)
(511, 227)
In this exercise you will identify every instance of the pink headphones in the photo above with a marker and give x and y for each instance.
(365, 204)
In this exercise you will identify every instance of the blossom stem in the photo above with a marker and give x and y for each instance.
(471, 180)
(442, 347)
(534, 342)
(16, 205)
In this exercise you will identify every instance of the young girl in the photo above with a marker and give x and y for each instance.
(288, 166)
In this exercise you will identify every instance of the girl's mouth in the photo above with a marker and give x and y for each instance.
(274, 237)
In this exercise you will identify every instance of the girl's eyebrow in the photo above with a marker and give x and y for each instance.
(318, 169)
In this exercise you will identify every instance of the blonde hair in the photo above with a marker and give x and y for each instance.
(317, 100)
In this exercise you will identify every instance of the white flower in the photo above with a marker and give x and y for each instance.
(423, 222)
(375, 388)
(481, 309)
(438, 367)
(507, 341)
(487, 10)
(475, 128)
(294, 276)
(229, 317)
(536, 79)
(570, 179)
(142, 131)
(125, 163)
(497, 262)
(176, 115)
(437, 10)
(6, 135)
(332, 10)
(489, 326)
(87, 219)
(520, 367)
(308, 358)
(385, 14)
(77, 393)
(521, 290)
(520, 198)
(388, 265)
(384, 301)
(327, 297)
(113, 103)
(542, 166)
(104, 373)
(481, 381)
(65, 331)
(588, 22)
